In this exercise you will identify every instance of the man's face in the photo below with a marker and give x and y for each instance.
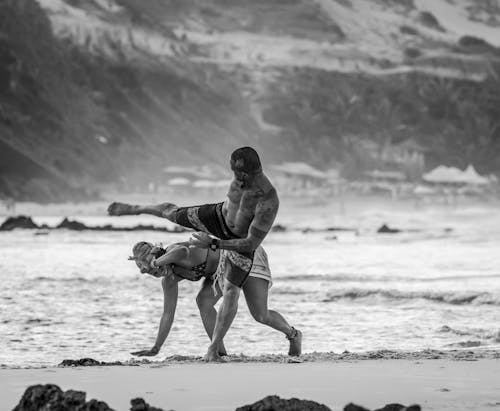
(239, 174)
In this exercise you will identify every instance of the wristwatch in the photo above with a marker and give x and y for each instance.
(214, 245)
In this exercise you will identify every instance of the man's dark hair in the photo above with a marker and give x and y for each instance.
(246, 159)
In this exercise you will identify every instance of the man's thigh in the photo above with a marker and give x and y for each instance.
(237, 267)
(256, 294)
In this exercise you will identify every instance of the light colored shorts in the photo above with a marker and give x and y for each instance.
(260, 267)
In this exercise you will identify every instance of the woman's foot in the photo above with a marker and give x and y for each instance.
(212, 356)
(222, 350)
(295, 339)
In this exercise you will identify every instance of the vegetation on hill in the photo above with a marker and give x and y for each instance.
(74, 122)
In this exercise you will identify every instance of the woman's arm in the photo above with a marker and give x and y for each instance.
(173, 256)
(170, 294)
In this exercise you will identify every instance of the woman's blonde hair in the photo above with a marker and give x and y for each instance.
(141, 250)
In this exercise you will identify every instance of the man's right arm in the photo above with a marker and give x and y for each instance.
(165, 210)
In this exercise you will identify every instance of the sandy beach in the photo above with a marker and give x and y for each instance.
(441, 384)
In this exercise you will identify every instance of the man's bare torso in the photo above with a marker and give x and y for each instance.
(241, 205)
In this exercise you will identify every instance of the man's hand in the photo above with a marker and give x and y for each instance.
(200, 240)
(147, 353)
(121, 209)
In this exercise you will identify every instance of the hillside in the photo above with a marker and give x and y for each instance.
(105, 93)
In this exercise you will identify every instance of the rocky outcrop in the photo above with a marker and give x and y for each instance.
(72, 225)
(86, 362)
(387, 407)
(138, 404)
(273, 402)
(26, 222)
(50, 397)
(385, 229)
(20, 221)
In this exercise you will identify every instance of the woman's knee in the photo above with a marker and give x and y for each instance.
(204, 301)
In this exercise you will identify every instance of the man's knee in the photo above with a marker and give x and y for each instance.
(260, 316)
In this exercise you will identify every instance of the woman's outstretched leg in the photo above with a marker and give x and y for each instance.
(256, 295)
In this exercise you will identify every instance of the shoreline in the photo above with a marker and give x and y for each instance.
(437, 384)
(464, 354)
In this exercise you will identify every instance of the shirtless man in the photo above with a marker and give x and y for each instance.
(237, 226)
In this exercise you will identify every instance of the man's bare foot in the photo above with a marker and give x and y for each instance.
(213, 356)
(295, 339)
(118, 209)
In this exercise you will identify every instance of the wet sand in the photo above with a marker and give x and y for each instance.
(438, 384)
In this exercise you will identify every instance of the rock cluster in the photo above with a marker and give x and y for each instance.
(387, 407)
(86, 362)
(21, 221)
(50, 397)
(273, 402)
(138, 404)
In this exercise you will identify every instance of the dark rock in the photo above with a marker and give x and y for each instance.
(392, 407)
(138, 404)
(50, 397)
(72, 225)
(354, 407)
(275, 403)
(82, 362)
(278, 228)
(399, 407)
(86, 362)
(386, 230)
(20, 221)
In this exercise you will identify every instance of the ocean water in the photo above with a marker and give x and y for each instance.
(67, 294)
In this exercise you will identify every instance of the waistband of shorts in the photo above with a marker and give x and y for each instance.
(223, 225)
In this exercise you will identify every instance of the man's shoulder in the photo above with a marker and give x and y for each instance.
(270, 195)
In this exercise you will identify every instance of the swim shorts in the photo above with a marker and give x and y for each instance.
(209, 219)
(260, 267)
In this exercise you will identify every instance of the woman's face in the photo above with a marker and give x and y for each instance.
(144, 265)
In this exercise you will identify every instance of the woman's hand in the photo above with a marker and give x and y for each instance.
(147, 353)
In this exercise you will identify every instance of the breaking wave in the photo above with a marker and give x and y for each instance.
(478, 333)
(362, 278)
(473, 298)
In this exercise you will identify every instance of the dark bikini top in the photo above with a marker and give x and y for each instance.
(199, 270)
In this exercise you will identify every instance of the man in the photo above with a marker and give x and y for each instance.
(239, 224)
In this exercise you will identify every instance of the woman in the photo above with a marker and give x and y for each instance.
(179, 262)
